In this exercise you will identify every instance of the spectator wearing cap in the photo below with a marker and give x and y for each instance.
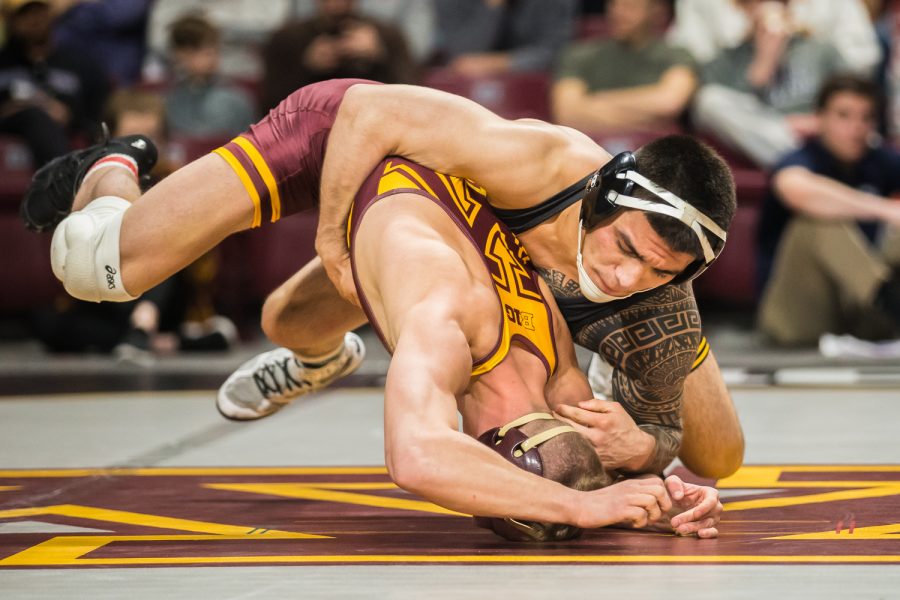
(829, 234)
(631, 80)
(200, 103)
(47, 91)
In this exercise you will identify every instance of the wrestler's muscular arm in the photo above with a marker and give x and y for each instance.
(519, 161)
(427, 455)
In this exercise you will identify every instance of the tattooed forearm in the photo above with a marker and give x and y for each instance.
(668, 443)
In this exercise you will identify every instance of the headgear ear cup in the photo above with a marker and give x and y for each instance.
(596, 206)
(513, 445)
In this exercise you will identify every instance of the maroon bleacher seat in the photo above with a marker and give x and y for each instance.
(28, 281)
(183, 149)
(15, 172)
(591, 26)
(510, 95)
(731, 280)
(630, 139)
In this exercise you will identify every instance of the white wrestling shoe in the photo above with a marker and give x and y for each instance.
(266, 383)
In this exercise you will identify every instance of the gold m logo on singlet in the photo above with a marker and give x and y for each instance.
(399, 177)
(462, 190)
(510, 274)
(467, 196)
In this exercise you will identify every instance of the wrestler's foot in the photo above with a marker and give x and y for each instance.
(272, 380)
(51, 193)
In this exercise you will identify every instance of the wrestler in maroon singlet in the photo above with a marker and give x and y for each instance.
(280, 158)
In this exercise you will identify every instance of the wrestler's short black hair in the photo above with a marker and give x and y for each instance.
(848, 82)
(694, 172)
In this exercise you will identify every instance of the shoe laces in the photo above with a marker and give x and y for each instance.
(274, 377)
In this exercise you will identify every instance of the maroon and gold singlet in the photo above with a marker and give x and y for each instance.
(526, 317)
(279, 160)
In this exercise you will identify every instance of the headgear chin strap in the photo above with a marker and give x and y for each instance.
(611, 188)
(521, 450)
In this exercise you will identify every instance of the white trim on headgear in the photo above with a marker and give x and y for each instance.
(675, 207)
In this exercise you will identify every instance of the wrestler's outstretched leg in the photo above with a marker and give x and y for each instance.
(313, 324)
(117, 243)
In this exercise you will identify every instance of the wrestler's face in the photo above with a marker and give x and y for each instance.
(625, 256)
(846, 125)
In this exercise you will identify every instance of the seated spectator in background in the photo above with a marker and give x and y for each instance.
(336, 42)
(47, 92)
(135, 111)
(829, 235)
(706, 27)
(245, 25)
(111, 32)
(633, 80)
(414, 17)
(758, 98)
(200, 103)
(486, 37)
(178, 314)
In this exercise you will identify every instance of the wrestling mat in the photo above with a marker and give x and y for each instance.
(215, 516)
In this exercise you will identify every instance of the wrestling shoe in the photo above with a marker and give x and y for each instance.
(272, 380)
(49, 198)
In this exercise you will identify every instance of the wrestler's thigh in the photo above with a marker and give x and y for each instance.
(180, 219)
(713, 442)
(307, 308)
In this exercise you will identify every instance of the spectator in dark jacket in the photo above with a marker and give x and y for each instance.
(47, 91)
(112, 32)
(336, 42)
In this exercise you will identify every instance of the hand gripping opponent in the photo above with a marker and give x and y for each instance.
(85, 251)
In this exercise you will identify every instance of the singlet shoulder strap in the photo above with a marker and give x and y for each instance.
(523, 219)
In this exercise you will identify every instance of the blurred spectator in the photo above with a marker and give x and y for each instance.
(200, 103)
(414, 17)
(758, 97)
(486, 37)
(132, 111)
(244, 25)
(111, 32)
(705, 27)
(336, 42)
(46, 91)
(631, 80)
(178, 314)
(829, 235)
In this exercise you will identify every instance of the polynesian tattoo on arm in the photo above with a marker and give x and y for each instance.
(651, 346)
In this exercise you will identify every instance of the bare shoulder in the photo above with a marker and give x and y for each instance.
(574, 154)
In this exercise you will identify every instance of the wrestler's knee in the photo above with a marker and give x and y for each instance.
(716, 460)
(275, 315)
(84, 253)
